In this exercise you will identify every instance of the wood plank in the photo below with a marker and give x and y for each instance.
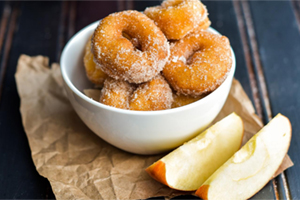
(91, 11)
(62, 29)
(260, 76)
(2, 3)
(142, 5)
(40, 37)
(11, 18)
(256, 57)
(18, 177)
(296, 8)
(279, 50)
(72, 17)
(246, 48)
(5, 12)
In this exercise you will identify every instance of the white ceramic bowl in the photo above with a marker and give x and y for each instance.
(141, 132)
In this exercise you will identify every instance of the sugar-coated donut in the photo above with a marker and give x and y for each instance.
(198, 63)
(116, 93)
(176, 18)
(153, 95)
(182, 100)
(94, 73)
(137, 59)
(204, 24)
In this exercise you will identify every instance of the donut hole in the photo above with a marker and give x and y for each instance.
(134, 41)
(189, 60)
(191, 55)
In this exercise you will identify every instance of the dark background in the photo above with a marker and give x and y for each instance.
(265, 36)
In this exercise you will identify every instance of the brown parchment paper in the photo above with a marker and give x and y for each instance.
(80, 165)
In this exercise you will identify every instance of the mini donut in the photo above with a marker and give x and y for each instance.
(137, 61)
(153, 95)
(182, 100)
(204, 24)
(94, 73)
(177, 18)
(198, 63)
(116, 93)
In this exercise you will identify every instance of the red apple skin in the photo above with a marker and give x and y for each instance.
(202, 192)
(158, 172)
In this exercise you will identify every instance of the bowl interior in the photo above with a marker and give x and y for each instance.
(72, 58)
(74, 73)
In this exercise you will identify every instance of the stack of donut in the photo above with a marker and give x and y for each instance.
(138, 57)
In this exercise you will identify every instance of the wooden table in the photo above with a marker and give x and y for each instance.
(265, 36)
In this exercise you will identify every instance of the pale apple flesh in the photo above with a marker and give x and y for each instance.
(187, 167)
(251, 168)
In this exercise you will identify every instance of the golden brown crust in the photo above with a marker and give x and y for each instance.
(153, 95)
(204, 24)
(182, 100)
(177, 18)
(198, 63)
(94, 73)
(122, 60)
(116, 93)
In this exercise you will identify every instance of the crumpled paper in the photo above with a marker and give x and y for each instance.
(79, 164)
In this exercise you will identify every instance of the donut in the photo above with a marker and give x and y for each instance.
(153, 95)
(182, 100)
(128, 46)
(204, 24)
(93, 73)
(198, 63)
(177, 18)
(116, 93)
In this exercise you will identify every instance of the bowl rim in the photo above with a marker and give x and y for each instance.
(133, 112)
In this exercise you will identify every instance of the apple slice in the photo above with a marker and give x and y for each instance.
(249, 169)
(188, 166)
